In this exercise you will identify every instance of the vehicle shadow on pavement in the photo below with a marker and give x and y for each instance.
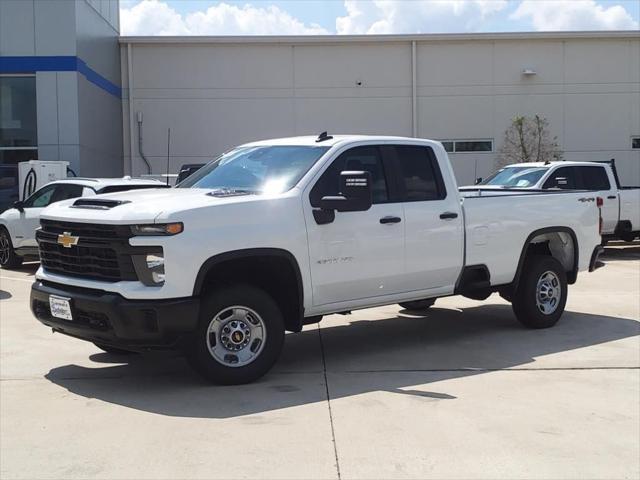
(378, 355)
(626, 253)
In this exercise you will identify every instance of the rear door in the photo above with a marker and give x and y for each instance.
(433, 220)
(358, 255)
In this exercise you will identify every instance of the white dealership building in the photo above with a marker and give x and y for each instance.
(65, 95)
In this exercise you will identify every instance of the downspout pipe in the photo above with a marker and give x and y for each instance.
(139, 118)
(414, 90)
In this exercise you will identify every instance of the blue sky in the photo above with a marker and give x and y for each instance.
(209, 17)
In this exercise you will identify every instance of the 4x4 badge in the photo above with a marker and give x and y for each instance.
(67, 240)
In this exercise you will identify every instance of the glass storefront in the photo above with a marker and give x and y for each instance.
(18, 120)
(18, 131)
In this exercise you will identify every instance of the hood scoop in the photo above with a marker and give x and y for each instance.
(97, 204)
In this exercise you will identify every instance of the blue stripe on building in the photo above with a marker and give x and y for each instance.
(58, 64)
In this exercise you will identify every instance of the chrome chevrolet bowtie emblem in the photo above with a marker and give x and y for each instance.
(67, 240)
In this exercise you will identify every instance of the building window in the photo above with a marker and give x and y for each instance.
(635, 142)
(18, 120)
(466, 146)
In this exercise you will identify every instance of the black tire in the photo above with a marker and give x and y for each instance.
(8, 257)
(418, 304)
(214, 304)
(113, 350)
(525, 301)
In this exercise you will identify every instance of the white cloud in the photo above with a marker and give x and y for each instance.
(416, 16)
(574, 15)
(154, 17)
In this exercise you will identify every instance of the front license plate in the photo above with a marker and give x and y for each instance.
(60, 307)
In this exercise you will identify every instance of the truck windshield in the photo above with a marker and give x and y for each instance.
(260, 169)
(515, 177)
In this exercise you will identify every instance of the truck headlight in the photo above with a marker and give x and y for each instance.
(149, 267)
(155, 264)
(158, 229)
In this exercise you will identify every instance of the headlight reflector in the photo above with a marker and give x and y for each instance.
(158, 229)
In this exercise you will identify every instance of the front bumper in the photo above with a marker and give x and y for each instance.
(110, 319)
(595, 262)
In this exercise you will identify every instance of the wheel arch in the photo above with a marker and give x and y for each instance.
(558, 242)
(275, 270)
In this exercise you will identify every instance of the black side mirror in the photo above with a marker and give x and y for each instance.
(355, 193)
(478, 181)
(18, 205)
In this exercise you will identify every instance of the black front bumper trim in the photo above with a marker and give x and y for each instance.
(110, 319)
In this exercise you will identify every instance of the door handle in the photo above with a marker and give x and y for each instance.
(390, 219)
(612, 197)
(448, 215)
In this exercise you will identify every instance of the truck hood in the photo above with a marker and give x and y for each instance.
(140, 206)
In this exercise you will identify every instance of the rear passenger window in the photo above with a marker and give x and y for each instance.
(365, 158)
(595, 178)
(419, 173)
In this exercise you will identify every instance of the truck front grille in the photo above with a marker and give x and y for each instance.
(102, 252)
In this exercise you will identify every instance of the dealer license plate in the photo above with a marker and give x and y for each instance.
(60, 307)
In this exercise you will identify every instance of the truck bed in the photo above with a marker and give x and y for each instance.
(498, 223)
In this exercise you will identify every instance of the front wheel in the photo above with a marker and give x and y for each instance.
(541, 295)
(239, 337)
(8, 257)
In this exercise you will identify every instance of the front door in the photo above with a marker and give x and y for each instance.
(359, 254)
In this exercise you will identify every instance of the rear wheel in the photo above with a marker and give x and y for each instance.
(239, 337)
(541, 295)
(8, 257)
(418, 304)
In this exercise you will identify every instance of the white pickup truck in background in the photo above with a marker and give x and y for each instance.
(275, 234)
(620, 205)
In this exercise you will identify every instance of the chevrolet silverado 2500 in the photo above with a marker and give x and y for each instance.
(620, 205)
(274, 234)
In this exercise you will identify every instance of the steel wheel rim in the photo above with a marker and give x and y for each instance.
(4, 249)
(236, 336)
(548, 293)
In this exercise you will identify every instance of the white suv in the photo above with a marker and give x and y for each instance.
(18, 224)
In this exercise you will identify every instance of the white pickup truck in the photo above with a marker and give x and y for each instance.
(620, 205)
(274, 234)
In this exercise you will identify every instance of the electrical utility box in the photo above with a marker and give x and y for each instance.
(35, 174)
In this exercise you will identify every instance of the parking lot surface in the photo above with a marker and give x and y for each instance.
(461, 391)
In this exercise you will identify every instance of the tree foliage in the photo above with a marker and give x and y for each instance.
(528, 139)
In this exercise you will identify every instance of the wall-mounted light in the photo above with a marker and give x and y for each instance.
(529, 72)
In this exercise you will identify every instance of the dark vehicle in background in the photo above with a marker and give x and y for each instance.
(188, 169)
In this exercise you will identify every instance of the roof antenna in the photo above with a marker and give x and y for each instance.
(322, 137)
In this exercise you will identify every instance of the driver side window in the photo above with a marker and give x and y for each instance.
(365, 158)
(563, 178)
(41, 198)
